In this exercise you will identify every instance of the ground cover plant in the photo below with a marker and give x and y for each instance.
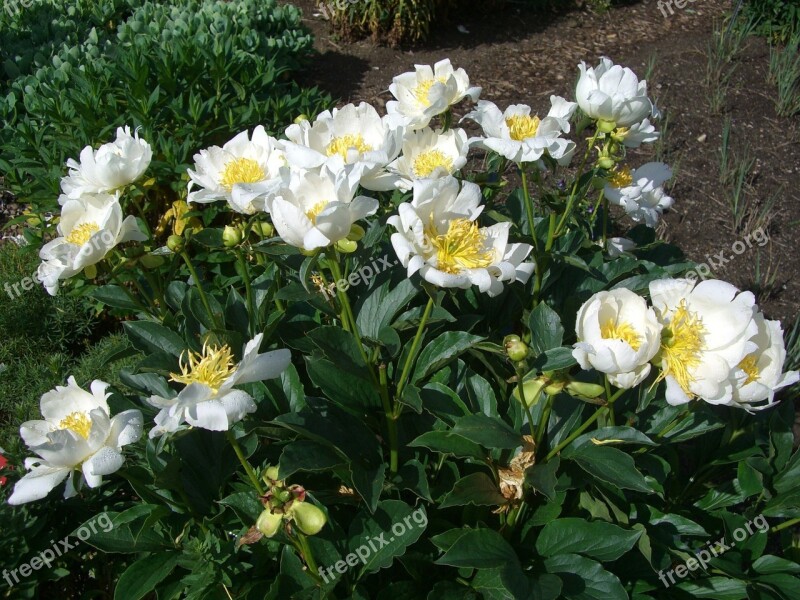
(371, 369)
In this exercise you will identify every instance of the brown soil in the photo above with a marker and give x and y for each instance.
(519, 56)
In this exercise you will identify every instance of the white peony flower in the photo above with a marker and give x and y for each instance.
(427, 92)
(318, 209)
(637, 134)
(618, 334)
(111, 167)
(353, 138)
(429, 154)
(760, 374)
(245, 172)
(707, 332)
(619, 246)
(520, 137)
(438, 235)
(89, 229)
(640, 192)
(612, 93)
(77, 434)
(209, 400)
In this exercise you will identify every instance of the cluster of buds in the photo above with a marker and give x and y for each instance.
(284, 505)
(553, 383)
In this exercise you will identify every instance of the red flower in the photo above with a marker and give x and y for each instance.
(3, 463)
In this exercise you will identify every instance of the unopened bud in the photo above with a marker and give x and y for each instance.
(606, 126)
(346, 246)
(90, 271)
(581, 389)
(516, 349)
(270, 475)
(268, 523)
(134, 251)
(606, 163)
(263, 229)
(532, 389)
(356, 234)
(309, 518)
(231, 236)
(555, 388)
(151, 262)
(175, 243)
(300, 119)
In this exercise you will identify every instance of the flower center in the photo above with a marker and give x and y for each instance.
(522, 127)
(313, 212)
(342, 145)
(423, 90)
(80, 234)
(241, 170)
(211, 367)
(749, 365)
(78, 422)
(681, 346)
(462, 247)
(621, 331)
(427, 162)
(620, 178)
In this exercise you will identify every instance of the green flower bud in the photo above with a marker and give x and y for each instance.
(516, 349)
(175, 243)
(151, 262)
(134, 251)
(532, 389)
(263, 229)
(606, 126)
(270, 475)
(300, 119)
(581, 389)
(606, 163)
(356, 234)
(90, 271)
(346, 246)
(555, 388)
(268, 523)
(309, 518)
(231, 236)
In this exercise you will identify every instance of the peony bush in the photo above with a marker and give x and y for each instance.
(373, 366)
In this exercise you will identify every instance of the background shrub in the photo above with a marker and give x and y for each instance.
(776, 19)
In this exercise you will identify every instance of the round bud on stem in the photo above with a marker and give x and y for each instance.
(309, 518)
(268, 523)
(231, 236)
(516, 349)
(606, 126)
(176, 243)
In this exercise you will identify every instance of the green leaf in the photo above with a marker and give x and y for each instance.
(120, 538)
(382, 305)
(546, 330)
(477, 489)
(479, 549)
(307, 456)
(152, 337)
(584, 579)
(715, 588)
(789, 478)
(144, 575)
(609, 465)
(769, 564)
(441, 351)
(555, 359)
(613, 436)
(340, 348)
(542, 477)
(595, 539)
(345, 389)
(246, 506)
(377, 538)
(115, 297)
(489, 432)
(448, 443)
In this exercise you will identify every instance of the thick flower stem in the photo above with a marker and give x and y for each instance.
(529, 208)
(159, 294)
(300, 543)
(672, 425)
(542, 428)
(521, 389)
(401, 384)
(251, 474)
(251, 305)
(391, 420)
(198, 284)
(278, 285)
(785, 525)
(573, 193)
(576, 433)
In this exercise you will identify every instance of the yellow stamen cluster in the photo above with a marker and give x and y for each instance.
(522, 127)
(620, 178)
(749, 365)
(211, 367)
(427, 162)
(423, 90)
(241, 170)
(682, 344)
(625, 332)
(342, 145)
(462, 247)
(81, 234)
(313, 212)
(78, 422)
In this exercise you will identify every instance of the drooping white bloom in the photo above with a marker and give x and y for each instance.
(353, 138)
(612, 93)
(707, 332)
(111, 167)
(760, 374)
(426, 92)
(77, 434)
(438, 235)
(619, 246)
(637, 134)
(88, 230)
(520, 137)
(429, 154)
(209, 400)
(245, 172)
(316, 210)
(618, 334)
(640, 192)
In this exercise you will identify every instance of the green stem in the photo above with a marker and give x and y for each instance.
(785, 525)
(411, 355)
(391, 420)
(673, 424)
(308, 555)
(527, 408)
(347, 312)
(551, 232)
(609, 400)
(576, 433)
(542, 428)
(199, 285)
(278, 285)
(249, 291)
(529, 208)
(573, 193)
(251, 474)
